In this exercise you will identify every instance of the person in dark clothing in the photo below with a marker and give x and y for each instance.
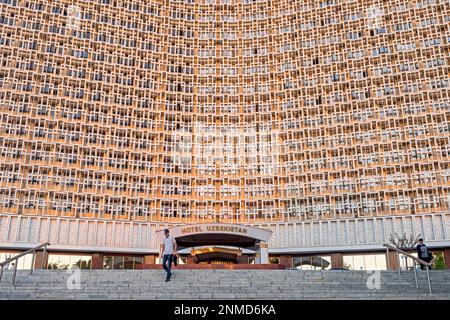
(423, 253)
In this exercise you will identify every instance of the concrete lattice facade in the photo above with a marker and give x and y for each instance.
(265, 112)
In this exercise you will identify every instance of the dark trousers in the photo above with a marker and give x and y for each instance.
(422, 266)
(167, 263)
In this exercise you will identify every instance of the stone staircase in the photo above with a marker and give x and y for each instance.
(222, 284)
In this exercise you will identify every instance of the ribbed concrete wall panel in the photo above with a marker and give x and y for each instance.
(98, 234)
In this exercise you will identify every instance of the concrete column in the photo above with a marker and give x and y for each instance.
(149, 259)
(393, 261)
(286, 260)
(38, 260)
(97, 261)
(263, 253)
(447, 257)
(257, 257)
(337, 260)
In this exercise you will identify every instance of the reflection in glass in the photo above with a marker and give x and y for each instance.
(407, 263)
(122, 262)
(23, 263)
(274, 260)
(348, 262)
(118, 263)
(65, 261)
(365, 261)
(439, 260)
(138, 261)
(358, 262)
(82, 262)
(312, 262)
(370, 262)
(128, 263)
(108, 263)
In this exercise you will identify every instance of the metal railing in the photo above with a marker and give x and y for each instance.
(20, 255)
(415, 261)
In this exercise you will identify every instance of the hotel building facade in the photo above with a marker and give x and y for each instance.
(325, 122)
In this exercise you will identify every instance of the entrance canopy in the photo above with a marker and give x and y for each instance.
(218, 254)
(204, 234)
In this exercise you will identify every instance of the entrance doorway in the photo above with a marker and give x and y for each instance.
(219, 243)
(216, 255)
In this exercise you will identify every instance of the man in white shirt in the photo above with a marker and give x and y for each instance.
(168, 249)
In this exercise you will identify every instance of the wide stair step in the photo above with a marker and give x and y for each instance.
(223, 284)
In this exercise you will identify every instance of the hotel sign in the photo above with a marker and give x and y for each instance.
(214, 228)
(219, 228)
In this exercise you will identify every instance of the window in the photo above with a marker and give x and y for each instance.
(122, 262)
(407, 263)
(312, 262)
(22, 263)
(365, 262)
(274, 260)
(66, 261)
(439, 260)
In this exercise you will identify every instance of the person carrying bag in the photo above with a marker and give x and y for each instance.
(175, 259)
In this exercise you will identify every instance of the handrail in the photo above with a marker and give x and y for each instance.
(415, 259)
(407, 254)
(20, 255)
(24, 253)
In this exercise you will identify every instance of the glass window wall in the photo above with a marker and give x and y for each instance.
(24, 263)
(122, 262)
(66, 261)
(312, 262)
(375, 261)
